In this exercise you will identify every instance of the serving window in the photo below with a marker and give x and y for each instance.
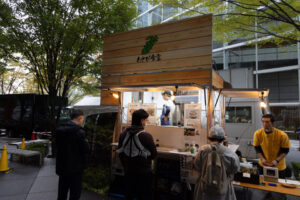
(182, 108)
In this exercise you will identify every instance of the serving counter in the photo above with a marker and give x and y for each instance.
(170, 156)
(177, 167)
(273, 187)
(169, 150)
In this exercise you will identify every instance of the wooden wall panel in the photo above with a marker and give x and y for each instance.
(107, 99)
(170, 27)
(201, 77)
(198, 62)
(217, 80)
(167, 55)
(167, 46)
(181, 45)
(194, 32)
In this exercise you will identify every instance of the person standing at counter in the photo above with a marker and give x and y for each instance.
(167, 110)
(271, 145)
(216, 165)
(136, 149)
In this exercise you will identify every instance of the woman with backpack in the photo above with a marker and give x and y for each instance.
(136, 150)
(216, 165)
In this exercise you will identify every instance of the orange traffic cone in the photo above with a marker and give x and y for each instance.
(23, 144)
(3, 161)
(32, 136)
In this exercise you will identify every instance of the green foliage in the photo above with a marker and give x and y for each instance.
(151, 40)
(39, 146)
(83, 87)
(97, 179)
(296, 169)
(5, 50)
(244, 18)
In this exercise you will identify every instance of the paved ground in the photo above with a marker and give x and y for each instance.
(27, 182)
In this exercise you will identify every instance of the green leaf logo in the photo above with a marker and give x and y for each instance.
(151, 40)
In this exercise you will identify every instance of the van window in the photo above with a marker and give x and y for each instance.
(238, 115)
(107, 120)
(99, 131)
(90, 121)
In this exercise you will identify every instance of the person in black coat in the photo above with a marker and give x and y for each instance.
(136, 150)
(71, 159)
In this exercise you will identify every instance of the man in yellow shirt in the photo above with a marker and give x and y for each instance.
(271, 145)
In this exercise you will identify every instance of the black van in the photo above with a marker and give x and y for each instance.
(20, 114)
(99, 125)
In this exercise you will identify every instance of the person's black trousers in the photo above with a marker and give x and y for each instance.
(72, 182)
(139, 186)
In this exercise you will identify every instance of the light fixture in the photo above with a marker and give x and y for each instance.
(173, 97)
(115, 95)
(262, 103)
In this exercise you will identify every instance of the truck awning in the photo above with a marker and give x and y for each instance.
(245, 93)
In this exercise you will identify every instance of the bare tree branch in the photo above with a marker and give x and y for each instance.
(289, 19)
(269, 33)
(291, 7)
(242, 3)
(278, 17)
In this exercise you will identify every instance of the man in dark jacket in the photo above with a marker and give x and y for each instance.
(71, 160)
(137, 149)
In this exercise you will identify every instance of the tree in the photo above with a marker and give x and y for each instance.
(243, 18)
(5, 50)
(59, 39)
(14, 78)
(85, 86)
(11, 80)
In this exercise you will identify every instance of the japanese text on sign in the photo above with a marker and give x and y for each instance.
(150, 58)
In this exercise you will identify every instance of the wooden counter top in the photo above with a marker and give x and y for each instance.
(165, 149)
(171, 150)
(279, 188)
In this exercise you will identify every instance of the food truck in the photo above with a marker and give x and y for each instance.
(139, 66)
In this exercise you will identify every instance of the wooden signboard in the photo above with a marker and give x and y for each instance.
(185, 44)
(168, 53)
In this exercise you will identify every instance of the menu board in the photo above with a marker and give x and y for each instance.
(192, 125)
(131, 108)
(150, 108)
(192, 115)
